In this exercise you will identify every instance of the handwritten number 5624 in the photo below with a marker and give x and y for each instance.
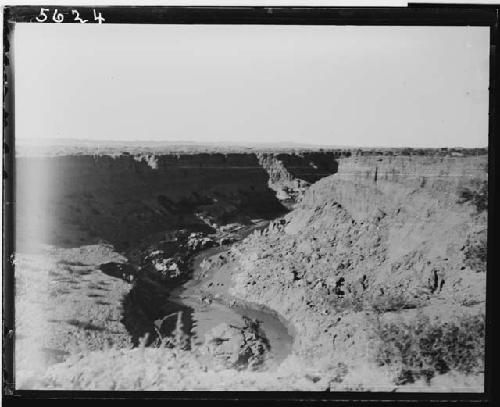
(58, 17)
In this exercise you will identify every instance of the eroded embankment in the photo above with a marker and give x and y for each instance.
(380, 265)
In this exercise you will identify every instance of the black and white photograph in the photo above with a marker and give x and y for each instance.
(267, 201)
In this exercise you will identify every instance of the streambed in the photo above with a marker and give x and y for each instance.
(202, 301)
(210, 310)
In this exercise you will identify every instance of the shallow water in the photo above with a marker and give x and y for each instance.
(206, 316)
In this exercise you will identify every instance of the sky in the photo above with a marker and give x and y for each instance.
(325, 85)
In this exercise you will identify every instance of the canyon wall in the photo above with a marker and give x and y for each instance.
(290, 175)
(69, 200)
(385, 240)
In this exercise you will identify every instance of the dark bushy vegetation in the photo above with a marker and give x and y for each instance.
(423, 348)
(478, 197)
(476, 252)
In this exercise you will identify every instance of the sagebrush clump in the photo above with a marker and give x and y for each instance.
(477, 196)
(423, 348)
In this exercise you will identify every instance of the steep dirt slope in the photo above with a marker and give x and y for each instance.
(386, 248)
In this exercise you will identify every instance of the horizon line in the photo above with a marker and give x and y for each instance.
(290, 144)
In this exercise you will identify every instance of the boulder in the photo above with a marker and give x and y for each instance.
(238, 347)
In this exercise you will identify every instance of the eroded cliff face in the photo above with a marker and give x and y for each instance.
(384, 241)
(291, 175)
(82, 199)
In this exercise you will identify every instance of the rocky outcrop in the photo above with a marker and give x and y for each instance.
(238, 346)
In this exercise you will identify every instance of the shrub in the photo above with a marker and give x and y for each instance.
(476, 252)
(422, 349)
(478, 197)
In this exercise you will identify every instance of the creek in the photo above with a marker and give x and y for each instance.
(204, 300)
